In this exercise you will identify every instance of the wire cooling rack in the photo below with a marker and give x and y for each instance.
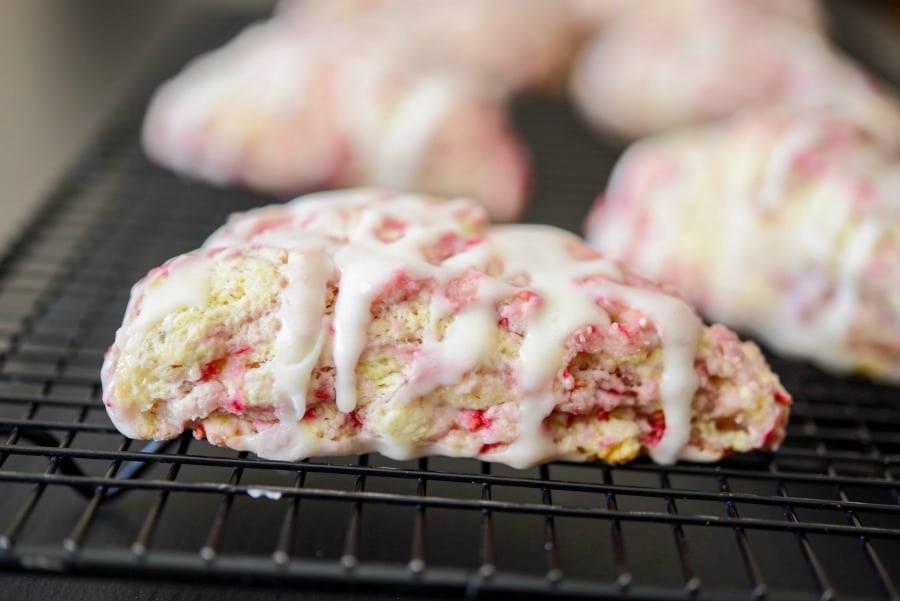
(819, 519)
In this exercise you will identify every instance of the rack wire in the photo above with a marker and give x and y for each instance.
(819, 519)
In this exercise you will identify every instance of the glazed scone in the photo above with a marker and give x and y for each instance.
(783, 224)
(281, 112)
(663, 64)
(595, 14)
(362, 321)
(518, 45)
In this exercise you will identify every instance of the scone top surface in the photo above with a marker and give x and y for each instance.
(361, 320)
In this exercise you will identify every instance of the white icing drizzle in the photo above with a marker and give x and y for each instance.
(363, 275)
(404, 143)
(680, 331)
(298, 343)
(802, 136)
(468, 340)
(186, 284)
(540, 251)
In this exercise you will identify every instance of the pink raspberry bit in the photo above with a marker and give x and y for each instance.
(401, 288)
(622, 331)
(265, 225)
(782, 398)
(390, 229)
(657, 422)
(324, 393)
(353, 420)
(237, 405)
(769, 437)
(809, 163)
(160, 271)
(199, 432)
(584, 336)
(210, 370)
(310, 415)
(476, 420)
(487, 448)
(568, 381)
(451, 244)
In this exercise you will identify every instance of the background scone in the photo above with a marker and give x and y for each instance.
(282, 112)
(783, 224)
(517, 45)
(662, 64)
(410, 327)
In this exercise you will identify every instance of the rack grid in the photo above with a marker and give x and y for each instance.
(819, 519)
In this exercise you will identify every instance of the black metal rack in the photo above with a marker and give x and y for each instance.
(819, 519)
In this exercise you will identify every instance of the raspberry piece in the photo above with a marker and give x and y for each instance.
(237, 405)
(353, 420)
(657, 428)
(487, 448)
(476, 420)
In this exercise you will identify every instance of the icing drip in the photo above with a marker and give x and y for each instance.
(186, 284)
(542, 253)
(413, 124)
(362, 277)
(794, 142)
(680, 331)
(443, 362)
(300, 339)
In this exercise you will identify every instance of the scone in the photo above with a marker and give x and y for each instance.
(281, 112)
(662, 64)
(518, 45)
(783, 224)
(363, 321)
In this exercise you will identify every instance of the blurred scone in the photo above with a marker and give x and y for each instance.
(516, 45)
(661, 64)
(282, 112)
(780, 223)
